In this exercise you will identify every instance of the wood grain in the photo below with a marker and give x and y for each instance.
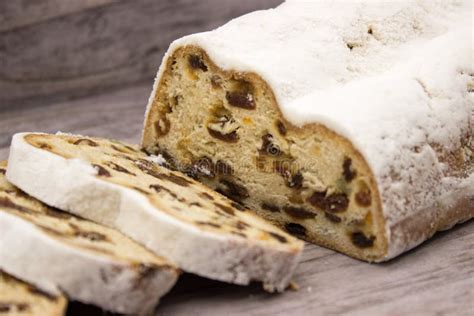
(437, 278)
(63, 51)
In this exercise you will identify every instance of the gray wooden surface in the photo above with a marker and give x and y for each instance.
(63, 49)
(436, 278)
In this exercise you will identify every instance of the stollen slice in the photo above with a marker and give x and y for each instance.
(22, 299)
(88, 262)
(120, 186)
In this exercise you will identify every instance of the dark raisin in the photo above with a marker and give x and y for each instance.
(22, 307)
(318, 199)
(240, 99)
(241, 225)
(296, 181)
(45, 146)
(91, 235)
(6, 202)
(360, 240)
(234, 191)
(238, 206)
(337, 202)
(231, 137)
(162, 126)
(196, 62)
(179, 180)
(86, 141)
(268, 147)
(222, 168)
(333, 218)
(3, 171)
(119, 168)
(208, 224)
(5, 307)
(298, 212)
(159, 188)
(348, 173)
(270, 207)
(53, 212)
(229, 210)
(295, 229)
(206, 196)
(278, 237)
(363, 198)
(101, 171)
(281, 127)
(141, 190)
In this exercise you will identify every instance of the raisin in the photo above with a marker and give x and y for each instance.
(363, 198)
(278, 237)
(234, 191)
(240, 99)
(270, 207)
(298, 212)
(101, 171)
(91, 235)
(45, 146)
(206, 196)
(208, 224)
(296, 181)
(268, 147)
(3, 171)
(238, 206)
(229, 210)
(22, 307)
(6, 202)
(333, 218)
(231, 137)
(295, 229)
(173, 178)
(4, 307)
(119, 168)
(162, 126)
(318, 199)
(241, 225)
(281, 127)
(336, 202)
(86, 141)
(222, 168)
(196, 62)
(360, 240)
(348, 173)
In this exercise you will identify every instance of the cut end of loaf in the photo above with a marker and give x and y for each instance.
(225, 129)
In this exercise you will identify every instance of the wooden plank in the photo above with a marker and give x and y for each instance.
(16, 14)
(101, 48)
(436, 278)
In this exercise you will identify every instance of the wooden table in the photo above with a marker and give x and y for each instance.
(436, 278)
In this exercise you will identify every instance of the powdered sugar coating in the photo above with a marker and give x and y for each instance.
(392, 77)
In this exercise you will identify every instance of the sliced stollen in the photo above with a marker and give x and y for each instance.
(348, 123)
(120, 186)
(21, 299)
(88, 262)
